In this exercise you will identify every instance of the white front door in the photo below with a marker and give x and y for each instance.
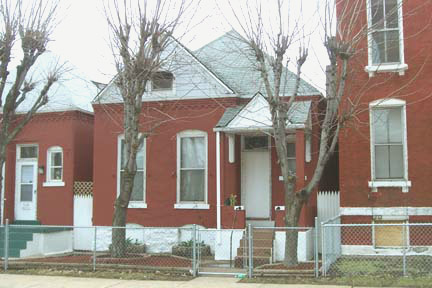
(255, 184)
(25, 190)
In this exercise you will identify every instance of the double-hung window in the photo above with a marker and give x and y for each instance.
(137, 199)
(54, 173)
(388, 144)
(385, 36)
(192, 170)
(291, 156)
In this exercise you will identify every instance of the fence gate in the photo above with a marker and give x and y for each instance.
(328, 206)
(222, 251)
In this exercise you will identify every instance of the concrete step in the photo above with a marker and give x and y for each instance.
(257, 261)
(13, 243)
(13, 252)
(259, 243)
(257, 251)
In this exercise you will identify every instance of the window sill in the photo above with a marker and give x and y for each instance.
(405, 185)
(53, 184)
(397, 68)
(200, 206)
(137, 204)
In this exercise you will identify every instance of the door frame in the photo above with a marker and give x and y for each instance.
(18, 163)
(242, 192)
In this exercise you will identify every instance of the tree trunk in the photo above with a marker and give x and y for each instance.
(118, 247)
(292, 214)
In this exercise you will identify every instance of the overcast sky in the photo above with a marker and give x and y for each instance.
(82, 36)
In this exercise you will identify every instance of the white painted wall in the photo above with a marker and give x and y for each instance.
(305, 246)
(369, 250)
(83, 211)
(44, 244)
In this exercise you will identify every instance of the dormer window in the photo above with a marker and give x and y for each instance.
(162, 80)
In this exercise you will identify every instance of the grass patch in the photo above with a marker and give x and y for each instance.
(365, 281)
(381, 266)
(105, 273)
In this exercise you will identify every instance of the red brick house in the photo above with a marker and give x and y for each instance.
(52, 151)
(383, 163)
(209, 141)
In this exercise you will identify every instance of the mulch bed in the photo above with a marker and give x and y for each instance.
(142, 260)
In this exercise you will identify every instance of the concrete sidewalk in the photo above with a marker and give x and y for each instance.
(32, 281)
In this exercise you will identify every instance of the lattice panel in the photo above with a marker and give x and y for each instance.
(83, 188)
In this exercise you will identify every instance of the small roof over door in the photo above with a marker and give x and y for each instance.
(256, 116)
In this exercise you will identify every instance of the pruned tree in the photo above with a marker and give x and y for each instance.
(271, 42)
(140, 33)
(28, 24)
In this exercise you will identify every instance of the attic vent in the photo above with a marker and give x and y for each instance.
(162, 81)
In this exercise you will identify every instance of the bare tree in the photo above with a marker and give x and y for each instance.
(28, 24)
(141, 31)
(271, 44)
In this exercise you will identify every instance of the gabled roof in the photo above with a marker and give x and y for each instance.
(193, 79)
(230, 57)
(255, 116)
(71, 92)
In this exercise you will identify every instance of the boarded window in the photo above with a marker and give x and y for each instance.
(390, 236)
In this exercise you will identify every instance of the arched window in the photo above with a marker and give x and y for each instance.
(54, 171)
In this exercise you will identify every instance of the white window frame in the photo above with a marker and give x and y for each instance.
(132, 204)
(404, 183)
(53, 182)
(161, 93)
(18, 152)
(192, 204)
(293, 142)
(393, 67)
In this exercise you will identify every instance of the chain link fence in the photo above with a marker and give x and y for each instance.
(383, 247)
(395, 248)
(92, 248)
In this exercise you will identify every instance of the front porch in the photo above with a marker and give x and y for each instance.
(248, 172)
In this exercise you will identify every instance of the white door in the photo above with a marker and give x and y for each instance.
(25, 191)
(255, 173)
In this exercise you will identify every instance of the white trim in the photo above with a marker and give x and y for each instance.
(198, 206)
(374, 184)
(137, 204)
(255, 129)
(386, 211)
(396, 67)
(231, 148)
(132, 204)
(186, 134)
(18, 152)
(53, 184)
(218, 182)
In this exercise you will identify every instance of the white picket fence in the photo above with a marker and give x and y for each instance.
(328, 206)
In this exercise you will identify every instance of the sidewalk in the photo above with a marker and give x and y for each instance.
(27, 281)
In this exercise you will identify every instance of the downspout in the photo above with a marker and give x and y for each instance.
(218, 184)
(3, 194)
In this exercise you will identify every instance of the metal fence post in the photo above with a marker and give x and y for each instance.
(94, 248)
(194, 251)
(404, 250)
(6, 245)
(323, 250)
(250, 251)
(316, 256)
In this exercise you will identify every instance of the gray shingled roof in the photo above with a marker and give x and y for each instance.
(229, 114)
(231, 59)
